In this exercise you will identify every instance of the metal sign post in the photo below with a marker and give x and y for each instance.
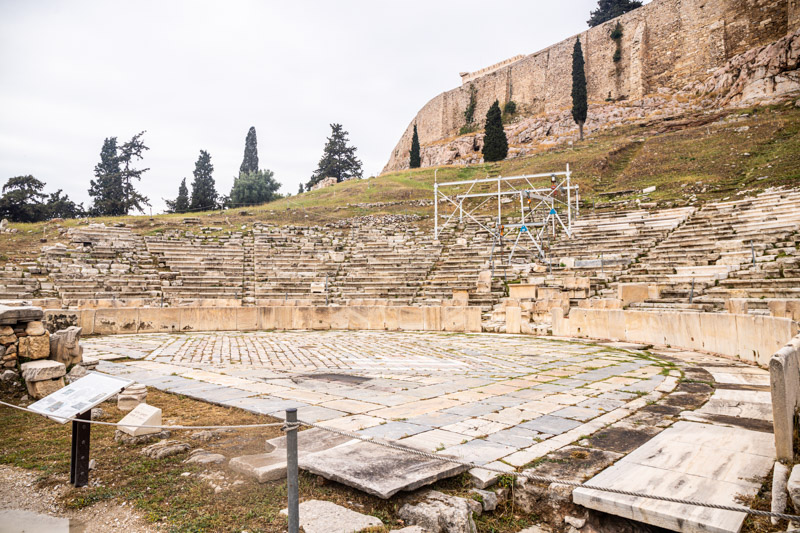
(75, 401)
(79, 456)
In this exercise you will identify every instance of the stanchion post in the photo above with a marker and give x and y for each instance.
(81, 439)
(292, 484)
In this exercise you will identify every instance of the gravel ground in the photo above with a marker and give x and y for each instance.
(19, 491)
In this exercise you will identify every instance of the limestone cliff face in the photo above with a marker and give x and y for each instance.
(669, 47)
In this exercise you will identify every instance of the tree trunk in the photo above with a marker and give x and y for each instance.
(580, 128)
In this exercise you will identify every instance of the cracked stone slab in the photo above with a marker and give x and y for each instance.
(317, 516)
(376, 470)
(690, 461)
(272, 465)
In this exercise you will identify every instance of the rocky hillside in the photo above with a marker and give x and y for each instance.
(762, 75)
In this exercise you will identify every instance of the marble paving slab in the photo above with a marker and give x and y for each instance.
(685, 461)
(379, 471)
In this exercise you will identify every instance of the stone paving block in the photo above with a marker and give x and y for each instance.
(351, 406)
(265, 406)
(601, 404)
(436, 419)
(482, 478)
(435, 440)
(318, 516)
(394, 430)
(518, 437)
(480, 451)
(353, 422)
(577, 413)
(271, 465)
(375, 470)
(475, 427)
(553, 425)
(505, 400)
(412, 409)
(714, 476)
(472, 409)
(221, 394)
(543, 407)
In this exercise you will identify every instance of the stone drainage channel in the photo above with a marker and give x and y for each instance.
(490, 404)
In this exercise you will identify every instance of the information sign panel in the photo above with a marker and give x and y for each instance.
(79, 396)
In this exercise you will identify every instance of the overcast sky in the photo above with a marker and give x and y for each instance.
(196, 75)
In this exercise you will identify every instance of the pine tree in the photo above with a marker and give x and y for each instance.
(610, 9)
(59, 206)
(338, 159)
(250, 160)
(580, 104)
(204, 192)
(23, 200)
(128, 153)
(181, 203)
(252, 188)
(414, 160)
(495, 143)
(107, 189)
(300, 190)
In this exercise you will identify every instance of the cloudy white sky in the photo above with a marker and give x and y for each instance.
(197, 74)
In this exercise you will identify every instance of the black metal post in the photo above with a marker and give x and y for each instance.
(81, 437)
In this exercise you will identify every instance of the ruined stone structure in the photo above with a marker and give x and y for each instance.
(668, 46)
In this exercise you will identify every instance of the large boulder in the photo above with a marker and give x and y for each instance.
(439, 513)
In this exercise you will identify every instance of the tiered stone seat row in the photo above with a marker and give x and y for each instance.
(466, 251)
(297, 263)
(101, 263)
(202, 267)
(718, 241)
(17, 284)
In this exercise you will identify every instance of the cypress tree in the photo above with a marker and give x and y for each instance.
(300, 191)
(250, 160)
(204, 192)
(495, 143)
(181, 203)
(338, 159)
(580, 104)
(414, 160)
(106, 189)
(610, 9)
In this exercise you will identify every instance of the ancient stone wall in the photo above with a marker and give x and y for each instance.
(665, 44)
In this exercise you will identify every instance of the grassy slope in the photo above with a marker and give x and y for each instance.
(725, 151)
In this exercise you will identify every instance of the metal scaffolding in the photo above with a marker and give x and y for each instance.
(541, 209)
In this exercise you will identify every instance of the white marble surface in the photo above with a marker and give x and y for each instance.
(686, 461)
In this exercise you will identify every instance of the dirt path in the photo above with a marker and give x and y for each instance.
(19, 490)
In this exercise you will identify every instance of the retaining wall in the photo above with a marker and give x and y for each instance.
(747, 337)
(784, 377)
(114, 321)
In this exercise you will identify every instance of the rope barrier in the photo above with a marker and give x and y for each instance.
(176, 428)
(289, 426)
(550, 480)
